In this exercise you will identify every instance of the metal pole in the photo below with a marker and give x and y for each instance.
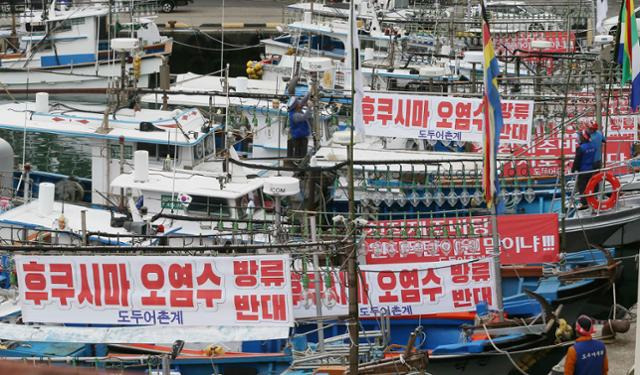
(222, 45)
(352, 270)
(121, 141)
(597, 69)
(473, 77)
(496, 262)
(166, 365)
(278, 204)
(317, 285)
(563, 180)
(83, 222)
(27, 186)
(315, 97)
(636, 363)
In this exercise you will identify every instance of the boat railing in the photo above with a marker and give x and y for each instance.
(336, 349)
(626, 183)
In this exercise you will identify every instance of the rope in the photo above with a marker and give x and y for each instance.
(503, 351)
(217, 49)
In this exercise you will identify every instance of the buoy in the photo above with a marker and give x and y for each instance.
(605, 204)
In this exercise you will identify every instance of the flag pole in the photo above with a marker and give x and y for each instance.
(492, 129)
(496, 262)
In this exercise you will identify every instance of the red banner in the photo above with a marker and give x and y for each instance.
(542, 158)
(508, 43)
(524, 239)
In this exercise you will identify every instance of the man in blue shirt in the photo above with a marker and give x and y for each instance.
(597, 139)
(587, 356)
(300, 128)
(583, 163)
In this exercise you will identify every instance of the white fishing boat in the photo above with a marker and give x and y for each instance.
(148, 208)
(184, 137)
(391, 11)
(65, 50)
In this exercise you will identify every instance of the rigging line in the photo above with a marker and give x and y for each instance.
(216, 49)
(26, 115)
(196, 30)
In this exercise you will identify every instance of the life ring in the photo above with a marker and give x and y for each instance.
(605, 204)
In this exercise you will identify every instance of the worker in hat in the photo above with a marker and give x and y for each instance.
(587, 356)
(300, 128)
(583, 164)
(597, 138)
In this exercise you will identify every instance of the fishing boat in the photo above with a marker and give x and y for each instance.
(65, 51)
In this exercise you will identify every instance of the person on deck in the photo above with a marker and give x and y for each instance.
(583, 163)
(587, 356)
(300, 127)
(597, 138)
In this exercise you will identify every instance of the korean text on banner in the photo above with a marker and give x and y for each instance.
(441, 118)
(543, 157)
(525, 239)
(155, 290)
(406, 289)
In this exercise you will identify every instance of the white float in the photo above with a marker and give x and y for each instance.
(141, 166)
(46, 197)
(42, 102)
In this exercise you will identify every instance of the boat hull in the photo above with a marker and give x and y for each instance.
(613, 229)
(81, 82)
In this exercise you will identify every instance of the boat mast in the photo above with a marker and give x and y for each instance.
(352, 265)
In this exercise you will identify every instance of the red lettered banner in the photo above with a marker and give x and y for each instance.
(542, 158)
(153, 290)
(400, 290)
(525, 239)
(508, 43)
(441, 118)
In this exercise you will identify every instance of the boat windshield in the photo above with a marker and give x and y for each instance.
(210, 206)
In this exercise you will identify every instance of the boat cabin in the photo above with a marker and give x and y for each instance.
(62, 36)
(179, 139)
(193, 194)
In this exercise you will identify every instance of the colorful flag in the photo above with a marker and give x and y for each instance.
(492, 111)
(353, 59)
(628, 50)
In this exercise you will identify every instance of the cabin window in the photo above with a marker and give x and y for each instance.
(35, 28)
(76, 21)
(210, 206)
(158, 151)
(198, 152)
(60, 26)
(115, 151)
(209, 145)
(151, 148)
(164, 150)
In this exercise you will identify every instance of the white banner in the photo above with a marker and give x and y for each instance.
(156, 290)
(400, 289)
(442, 118)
